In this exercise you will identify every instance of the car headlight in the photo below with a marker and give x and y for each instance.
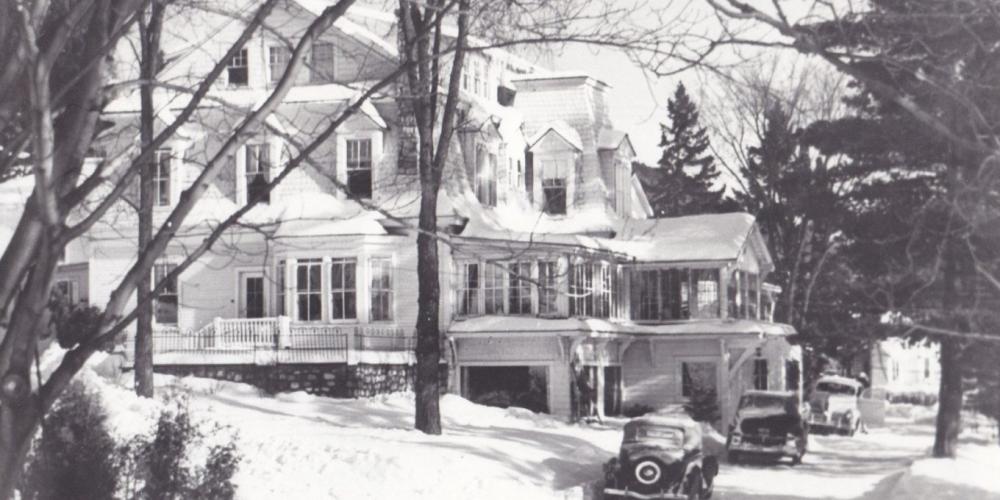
(737, 439)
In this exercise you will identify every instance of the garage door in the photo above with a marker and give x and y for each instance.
(505, 386)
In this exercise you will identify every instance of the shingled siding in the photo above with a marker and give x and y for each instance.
(337, 380)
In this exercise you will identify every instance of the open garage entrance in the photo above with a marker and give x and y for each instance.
(505, 386)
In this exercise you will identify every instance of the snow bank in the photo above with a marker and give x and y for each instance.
(298, 445)
(970, 476)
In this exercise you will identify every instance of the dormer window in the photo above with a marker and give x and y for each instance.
(238, 69)
(359, 167)
(555, 182)
(278, 58)
(258, 172)
(161, 177)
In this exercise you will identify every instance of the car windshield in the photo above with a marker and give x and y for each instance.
(835, 388)
(669, 436)
(762, 401)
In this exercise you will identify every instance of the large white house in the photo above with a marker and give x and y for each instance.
(557, 286)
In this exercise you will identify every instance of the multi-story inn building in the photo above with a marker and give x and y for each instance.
(556, 282)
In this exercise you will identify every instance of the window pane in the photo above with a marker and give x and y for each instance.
(493, 288)
(237, 68)
(278, 58)
(708, 293)
(381, 289)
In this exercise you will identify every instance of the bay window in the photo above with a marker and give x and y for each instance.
(381, 289)
(308, 289)
(343, 290)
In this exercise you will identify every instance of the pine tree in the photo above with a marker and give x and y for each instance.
(684, 182)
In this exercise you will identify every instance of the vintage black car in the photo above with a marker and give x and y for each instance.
(661, 457)
(768, 424)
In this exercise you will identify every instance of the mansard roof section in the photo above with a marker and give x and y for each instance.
(614, 139)
(693, 238)
(559, 129)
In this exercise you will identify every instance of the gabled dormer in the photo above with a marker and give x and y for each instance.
(555, 152)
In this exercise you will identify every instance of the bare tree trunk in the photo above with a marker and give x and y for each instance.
(150, 41)
(949, 417)
(427, 384)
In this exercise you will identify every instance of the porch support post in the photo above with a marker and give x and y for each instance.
(602, 361)
(725, 393)
(284, 332)
(350, 353)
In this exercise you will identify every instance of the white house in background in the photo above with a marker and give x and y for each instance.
(553, 275)
(900, 366)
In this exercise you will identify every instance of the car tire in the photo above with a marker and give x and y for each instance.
(695, 489)
(797, 459)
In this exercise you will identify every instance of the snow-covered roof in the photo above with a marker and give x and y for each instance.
(317, 7)
(534, 326)
(708, 237)
(610, 138)
(562, 129)
(559, 75)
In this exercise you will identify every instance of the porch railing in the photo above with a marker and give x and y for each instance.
(276, 340)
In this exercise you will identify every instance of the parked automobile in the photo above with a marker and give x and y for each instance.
(661, 457)
(834, 405)
(769, 424)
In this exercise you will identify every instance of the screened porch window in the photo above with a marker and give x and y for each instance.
(493, 288)
(661, 294)
(468, 289)
(519, 292)
(548, 290)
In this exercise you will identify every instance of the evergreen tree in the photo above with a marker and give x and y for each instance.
(684, 182)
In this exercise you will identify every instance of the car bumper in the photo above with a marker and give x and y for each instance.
(789, 449)
(616, 493)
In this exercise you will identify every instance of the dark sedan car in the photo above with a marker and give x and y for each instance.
(661, 458)
(768, 424)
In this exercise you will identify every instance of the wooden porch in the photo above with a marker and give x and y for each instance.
(278, 340)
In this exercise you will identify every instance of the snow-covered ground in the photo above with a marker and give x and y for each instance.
(302, 446)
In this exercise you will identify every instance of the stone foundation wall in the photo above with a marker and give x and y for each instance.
(334, 380)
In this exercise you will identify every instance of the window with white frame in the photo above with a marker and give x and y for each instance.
(238, 70)
(519, 291)
(161, 177)
(493, 281)
(468, 289)
(760, 374)
(278, 58)
(548, 291)
(309, 289)
(343, 289)
(359, 167)
(257, 172)
(165, 302)
(322, 63)
(603, 288)
(381, 289)
(581, 290)
(280, 288)
(708, 293)
(555, 184)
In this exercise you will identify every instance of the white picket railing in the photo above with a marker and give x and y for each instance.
(274, 339)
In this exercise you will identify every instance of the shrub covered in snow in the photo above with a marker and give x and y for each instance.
(74, 456)
(101, 441)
